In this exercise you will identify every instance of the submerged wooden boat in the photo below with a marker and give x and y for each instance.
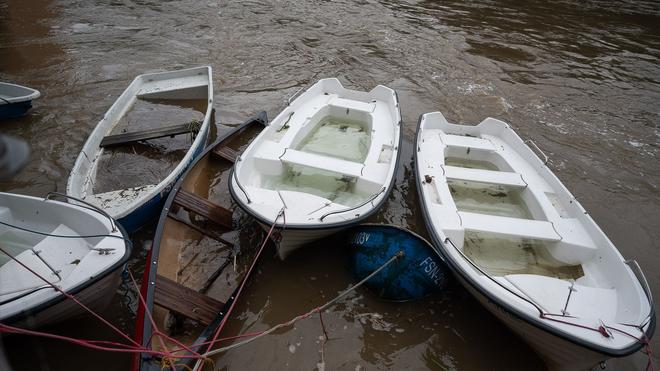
(133, 199)
(76, 248)
(192, 249)
(15, 100)
(525, 247)
(328, 160)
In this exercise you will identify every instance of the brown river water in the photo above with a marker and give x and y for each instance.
(581, 79)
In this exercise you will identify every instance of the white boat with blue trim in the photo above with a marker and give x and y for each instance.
(327, 162)
(521, 243)
(135, 204)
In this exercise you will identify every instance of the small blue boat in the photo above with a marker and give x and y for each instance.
(418, 273)
(15, 100)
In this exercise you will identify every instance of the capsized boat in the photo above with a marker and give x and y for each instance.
(128, 166)
(418, 272)
(195, 267)
(77, 248)
(520, 242)
(328, 160)
(15, 100)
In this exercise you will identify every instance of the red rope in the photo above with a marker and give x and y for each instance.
(240, 289)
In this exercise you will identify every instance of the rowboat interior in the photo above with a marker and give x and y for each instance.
(330, 150)
(199, 259)
(504, 211)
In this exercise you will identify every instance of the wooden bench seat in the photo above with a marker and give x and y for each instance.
(185, 301)
(205, 208)
(127, 138)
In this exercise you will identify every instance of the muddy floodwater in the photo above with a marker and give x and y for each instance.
(580, 79)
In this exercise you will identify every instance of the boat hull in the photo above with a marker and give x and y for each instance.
(14, 110)
(289, 240)
(558, 354)
(96, 297)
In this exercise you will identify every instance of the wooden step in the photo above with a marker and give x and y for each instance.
(168, 131)
(205, 208)
(225, 153)
(211, 232)
(185, 301)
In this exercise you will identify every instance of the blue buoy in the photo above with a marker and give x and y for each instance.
(420, 272)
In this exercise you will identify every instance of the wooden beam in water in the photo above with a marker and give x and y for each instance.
(205, 208)
(185, 301)
(127, 138)
(225, 153)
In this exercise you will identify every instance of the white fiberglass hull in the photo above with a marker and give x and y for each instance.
(135, 205)
(293, 239)
(524, 246)
(328, 161)
(557, 353)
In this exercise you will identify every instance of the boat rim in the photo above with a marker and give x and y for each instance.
(34, 94)
(502, 304)
(323, 226)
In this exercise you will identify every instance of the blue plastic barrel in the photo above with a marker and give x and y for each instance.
(420, 272)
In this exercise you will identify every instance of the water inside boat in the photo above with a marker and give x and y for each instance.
(338, 137)
(148, 162)
(491, 199)
(500, 256)
(332, 186)
(503, 256)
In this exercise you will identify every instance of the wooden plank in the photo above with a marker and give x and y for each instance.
(226, 153)
(185, 301)
(205, 231)
(205, 208)
(126, 138)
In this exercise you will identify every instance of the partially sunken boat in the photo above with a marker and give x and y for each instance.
(328, 160)
(139, 129)
(524, 246)
(195, 267)
(79, 249)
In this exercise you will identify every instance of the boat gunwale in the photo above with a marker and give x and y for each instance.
(143, 327)
(338, 224)
(499, 302)
(17, 99)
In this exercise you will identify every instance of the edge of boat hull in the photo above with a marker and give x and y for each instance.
(501, 305)
(14, 110)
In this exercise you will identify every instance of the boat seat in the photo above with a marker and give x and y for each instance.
(326, 163)
(352, 104)
(16, 279)
(468, 142)
(62, 254)
(485, 176)
(551, 294)
(512, 227)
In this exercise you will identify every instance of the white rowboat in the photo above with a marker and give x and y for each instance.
(133, 206)
(328, 160)
(525, 247)
(54, 239)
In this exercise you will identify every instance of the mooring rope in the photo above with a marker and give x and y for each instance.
(305, 315)
(240, 288)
